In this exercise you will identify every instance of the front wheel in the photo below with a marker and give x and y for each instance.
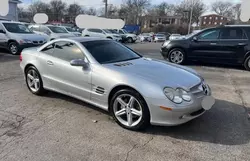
(130, 40)
(13, 48)
(247, 63)
(34, 81)
(176, 56)
(129, 110)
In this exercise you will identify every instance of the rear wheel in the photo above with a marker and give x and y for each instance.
(176, 56)
(34, 81)
(247, 63)
(129, 110)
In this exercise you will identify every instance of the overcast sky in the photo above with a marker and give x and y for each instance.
(99, 3)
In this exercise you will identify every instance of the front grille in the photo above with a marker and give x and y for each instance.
(35, 42)
(197, 112)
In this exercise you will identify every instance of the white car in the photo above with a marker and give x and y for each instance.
(71, 31)
(174, 36)
(145, 37)
(15, 36)
(52, 31)
(102, 33)
(130, 38)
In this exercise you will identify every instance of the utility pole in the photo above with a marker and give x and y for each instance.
(191, 16)
(106, 8)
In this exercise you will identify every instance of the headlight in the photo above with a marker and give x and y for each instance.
(178, 95)
(27, 41)
(165, 43)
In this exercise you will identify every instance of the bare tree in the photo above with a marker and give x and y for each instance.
(58, 9)
(184, 9)
(164, 9)
(237, 12)
(223, 8)
(91, 11)
(134, 10)
(74, 10)
(39, 7)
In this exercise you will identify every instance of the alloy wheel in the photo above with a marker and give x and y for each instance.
(33, 80)
(127, 110)
(13, 49)
(177, 57)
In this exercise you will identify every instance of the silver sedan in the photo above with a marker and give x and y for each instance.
(137, 91)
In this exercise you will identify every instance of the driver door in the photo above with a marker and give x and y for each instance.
(60, 75)
(3, 37)
(207, 46)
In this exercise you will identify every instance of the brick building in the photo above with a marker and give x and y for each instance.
(151, 21)
(212, 20)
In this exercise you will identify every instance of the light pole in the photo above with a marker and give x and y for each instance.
(191, 16)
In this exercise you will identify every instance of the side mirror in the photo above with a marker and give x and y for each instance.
(2, 31)
(79, 62)
(195, 38)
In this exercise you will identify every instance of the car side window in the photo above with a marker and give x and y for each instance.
(120, 32)
(209, 35)
(95, 30)
(67, 51)
(35, 28)
(232, 33)
(49, 49)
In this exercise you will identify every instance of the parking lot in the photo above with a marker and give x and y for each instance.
(57, 127)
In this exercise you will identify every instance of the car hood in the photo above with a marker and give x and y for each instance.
(132, 35)
(64, 35)
(163, 73)
(32, 37)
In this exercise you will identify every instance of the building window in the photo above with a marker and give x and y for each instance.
(210, 18)
(205, 18)
(221, 23)
(216, 18)
(215, 23)
(221, 18)
(209, 23)
(204, 23)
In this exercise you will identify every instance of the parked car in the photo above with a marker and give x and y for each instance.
(145, 37)
(167, 35)
(130, 38)
(228, 44)
(159, 38)
(15, 36)
(107, 74)
(174, 36)
(72, 31)
(52, 31)
(102, 33)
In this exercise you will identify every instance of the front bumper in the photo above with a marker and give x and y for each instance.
(164, 52)
(178, 115)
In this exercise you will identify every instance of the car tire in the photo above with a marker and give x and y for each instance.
(86, 36)
(247, 63)
(13, 48)
(38, 88)
(141, 119)
(130, 40)
(109, 38)
(179, 58)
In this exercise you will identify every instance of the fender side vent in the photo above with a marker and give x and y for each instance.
(99, 90)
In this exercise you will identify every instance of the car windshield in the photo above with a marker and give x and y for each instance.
(146, 34)
(17, 28)
(108, 51)
(56, 29)
(107, 31)
(113, 31)
(126, 32)
(160, 35)
(70, 29)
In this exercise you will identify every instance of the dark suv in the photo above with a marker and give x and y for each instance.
(225, 44)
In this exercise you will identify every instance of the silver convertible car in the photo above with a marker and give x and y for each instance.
(137, 91)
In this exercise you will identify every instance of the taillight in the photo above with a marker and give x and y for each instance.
(20, 57)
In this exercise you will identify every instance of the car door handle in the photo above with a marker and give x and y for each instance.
(50, 62)
(213, 43)
(242, 44)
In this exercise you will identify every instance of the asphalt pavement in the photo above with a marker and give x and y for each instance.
(56, 127)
